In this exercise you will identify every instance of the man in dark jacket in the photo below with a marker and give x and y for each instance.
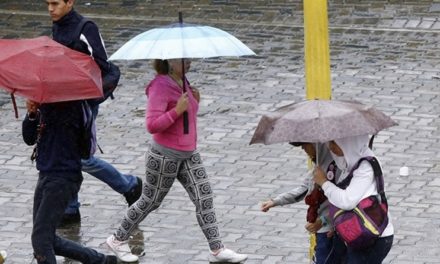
(56, 129)
(89, 41)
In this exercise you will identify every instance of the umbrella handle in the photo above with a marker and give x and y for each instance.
(185, 114)
(180, 17)
(14, 104)
(185, 123)
(317, 154)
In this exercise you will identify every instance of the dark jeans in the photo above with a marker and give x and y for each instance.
(323, 248)
(104, 172)
(373, 255)
(338, 254)
(52, 194)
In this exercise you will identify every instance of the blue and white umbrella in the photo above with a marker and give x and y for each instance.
(181, 40)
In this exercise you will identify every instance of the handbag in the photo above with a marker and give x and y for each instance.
(360, 227)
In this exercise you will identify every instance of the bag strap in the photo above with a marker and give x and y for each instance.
(40, 128)
(378, 176)
(80, 27)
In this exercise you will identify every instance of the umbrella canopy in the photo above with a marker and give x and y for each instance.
(320, 121)
(42, 70)
(181, 40)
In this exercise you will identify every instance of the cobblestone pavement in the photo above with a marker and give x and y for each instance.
(382, 52)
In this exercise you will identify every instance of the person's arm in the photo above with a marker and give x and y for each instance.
(362, 185)
(91, 36)
(158, 117)
(293, 196)
(30, 123)
(95, 44)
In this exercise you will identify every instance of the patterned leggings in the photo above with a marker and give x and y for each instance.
(161, 171)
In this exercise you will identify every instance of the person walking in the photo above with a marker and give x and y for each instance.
(173, 155)
(65, 23)
(56, 128)
(347, 152)
(318, 223)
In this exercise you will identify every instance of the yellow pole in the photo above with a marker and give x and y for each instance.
(317, 61)
(316, 47)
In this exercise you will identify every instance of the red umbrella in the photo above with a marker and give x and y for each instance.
(44, 71)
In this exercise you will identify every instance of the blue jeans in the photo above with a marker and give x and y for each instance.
(323, 248)
(338, 254)
(52, 194)
(105, 172)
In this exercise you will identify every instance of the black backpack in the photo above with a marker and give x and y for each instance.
(110, 76)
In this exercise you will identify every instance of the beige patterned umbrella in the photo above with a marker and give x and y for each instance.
(320, 121)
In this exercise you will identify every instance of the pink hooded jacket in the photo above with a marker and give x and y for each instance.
(161, 118)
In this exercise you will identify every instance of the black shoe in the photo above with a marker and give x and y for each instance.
(135, 192)
(69, 219)
(110, 259)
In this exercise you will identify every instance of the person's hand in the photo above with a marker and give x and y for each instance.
(32, 107)
(196, 94)
(319, 176)
(265, 206)
(330, 234)
(182, 104)
(314, 227)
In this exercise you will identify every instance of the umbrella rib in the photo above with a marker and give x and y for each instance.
(180, 40)
(155, 41)
(234, 42)
(212, 45)
(205, 30)
(44, 59)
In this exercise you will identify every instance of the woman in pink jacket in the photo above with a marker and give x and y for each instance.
(173, 155)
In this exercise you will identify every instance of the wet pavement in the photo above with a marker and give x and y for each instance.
(382, 52)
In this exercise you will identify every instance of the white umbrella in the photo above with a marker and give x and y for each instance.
(181, 40)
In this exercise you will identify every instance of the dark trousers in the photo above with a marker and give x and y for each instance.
(52, 193)
(372, 255)
(323, 249)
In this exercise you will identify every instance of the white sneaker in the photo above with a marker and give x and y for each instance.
(121, 249)
(3, 256)
(228, 256)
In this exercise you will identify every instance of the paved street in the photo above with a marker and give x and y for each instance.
(383, 52)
